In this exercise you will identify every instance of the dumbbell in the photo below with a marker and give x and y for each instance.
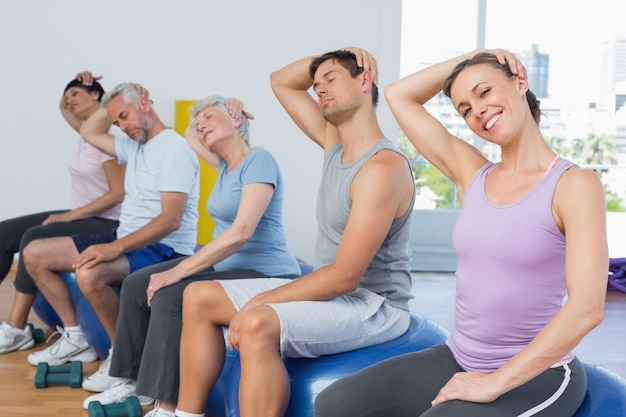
(37, 333)
(129, 408)
(47, 375)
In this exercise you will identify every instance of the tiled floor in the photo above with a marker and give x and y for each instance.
(604, 346)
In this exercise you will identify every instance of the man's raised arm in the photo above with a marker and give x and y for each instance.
(290, 85)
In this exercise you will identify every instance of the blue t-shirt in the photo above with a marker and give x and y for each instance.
(266, 251)
(165, 163)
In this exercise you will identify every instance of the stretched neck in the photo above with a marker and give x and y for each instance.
(234, 152)
(359, 133)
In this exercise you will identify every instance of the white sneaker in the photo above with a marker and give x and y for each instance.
(15, 339)
(101, 381)
(118, 392)
(64, 350)
(157, 411)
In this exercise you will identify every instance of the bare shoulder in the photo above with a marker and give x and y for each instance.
(579, 194)
(576, 179)
(389, 162)
(386, 180)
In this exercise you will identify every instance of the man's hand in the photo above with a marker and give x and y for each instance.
(143, 91)
(365, 60)
(96, 254)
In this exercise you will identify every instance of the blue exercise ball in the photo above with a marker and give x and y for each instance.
(310, 376)
(606, 393)
(305, 268)
(87, 319)
(44, 310)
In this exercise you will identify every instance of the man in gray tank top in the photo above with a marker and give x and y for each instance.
(358, 294)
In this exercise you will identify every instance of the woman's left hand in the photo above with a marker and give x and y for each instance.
(468, 386)
(59, 218)
(508, 57)
(158, 281)
(235, 109)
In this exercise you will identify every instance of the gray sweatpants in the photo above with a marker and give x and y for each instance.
(147, 339)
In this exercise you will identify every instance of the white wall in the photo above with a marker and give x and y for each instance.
(184, 49)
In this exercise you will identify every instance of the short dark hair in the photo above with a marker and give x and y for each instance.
(95, 86)
(491, 60)
(347, 60)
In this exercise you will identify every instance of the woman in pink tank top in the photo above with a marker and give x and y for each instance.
(97, 192)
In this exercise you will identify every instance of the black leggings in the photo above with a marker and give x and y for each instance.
(405, 385)
(16, 233)
(147, 339)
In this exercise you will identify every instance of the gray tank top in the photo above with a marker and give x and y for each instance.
(389, 273)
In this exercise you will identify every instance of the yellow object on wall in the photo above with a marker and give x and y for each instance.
(207, 175)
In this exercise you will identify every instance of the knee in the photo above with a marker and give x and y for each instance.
(327, 405)
(33, 253)
(260, 325)
(134, 289)
(199, 297)
(30, 235)
(88, 280)
(168, 300)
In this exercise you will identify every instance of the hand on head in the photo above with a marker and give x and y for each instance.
(143, 92)
(365, 60)
(507, 57)
(235, 109)
(87, 78)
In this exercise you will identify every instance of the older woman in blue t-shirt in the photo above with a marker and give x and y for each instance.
(248, 242)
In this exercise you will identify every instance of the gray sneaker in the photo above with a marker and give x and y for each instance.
(15, 339)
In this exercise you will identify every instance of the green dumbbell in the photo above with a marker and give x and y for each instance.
(129, 408)
(47, 375)
(37, 333)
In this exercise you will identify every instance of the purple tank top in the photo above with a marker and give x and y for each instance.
(510, 272)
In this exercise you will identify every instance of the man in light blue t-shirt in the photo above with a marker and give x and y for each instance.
(158, 220)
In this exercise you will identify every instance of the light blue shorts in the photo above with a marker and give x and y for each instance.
(310, 329)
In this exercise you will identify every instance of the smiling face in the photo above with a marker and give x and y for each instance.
(338, 93)
(214, 126)
(81, 102)
(492, 105)
(132, 119)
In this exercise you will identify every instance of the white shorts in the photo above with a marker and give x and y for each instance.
(314, 328)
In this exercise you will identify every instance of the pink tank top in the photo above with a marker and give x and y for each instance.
(510, 272)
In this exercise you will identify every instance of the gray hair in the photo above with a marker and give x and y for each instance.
(219, 101)
(128, 92)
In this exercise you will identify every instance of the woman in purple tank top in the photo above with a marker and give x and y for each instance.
(531, 251)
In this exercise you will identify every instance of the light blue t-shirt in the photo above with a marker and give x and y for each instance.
(165, 163)
(266, 251)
